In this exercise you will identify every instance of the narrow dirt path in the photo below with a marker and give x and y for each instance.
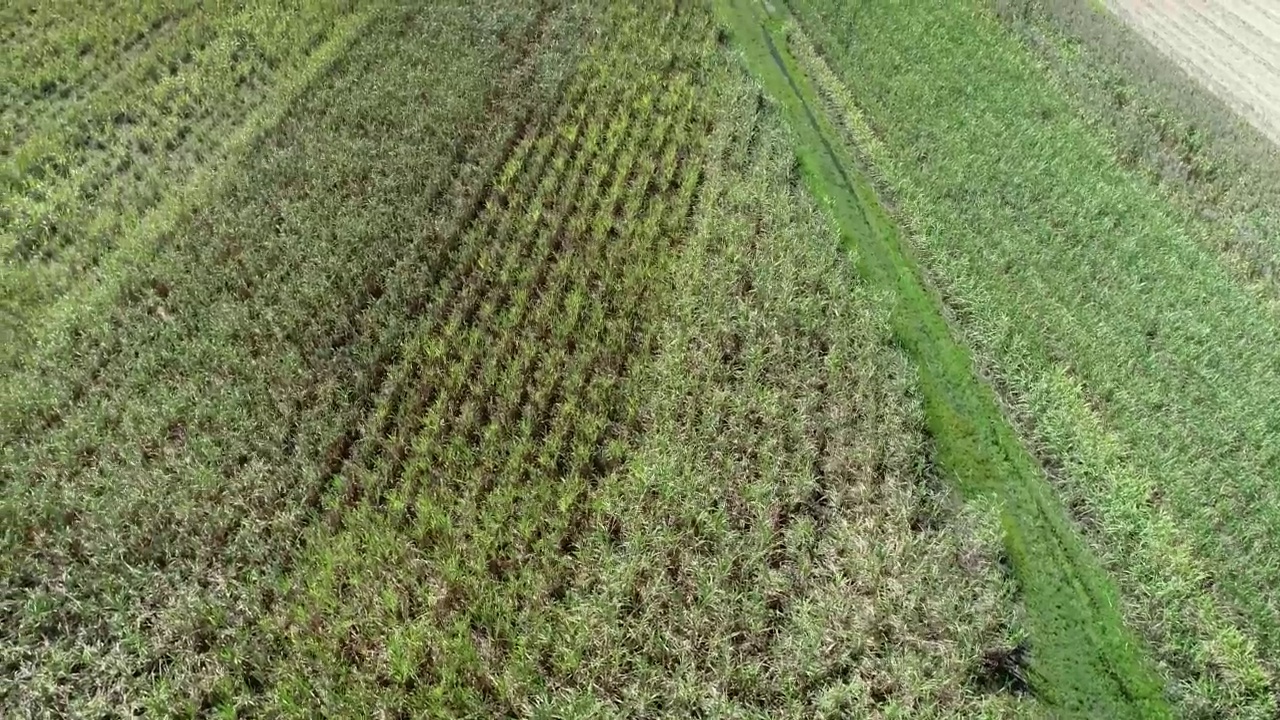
(1233, 46)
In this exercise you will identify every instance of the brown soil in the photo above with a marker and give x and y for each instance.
(1232, 46)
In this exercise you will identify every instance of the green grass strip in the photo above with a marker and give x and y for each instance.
(1084, 661)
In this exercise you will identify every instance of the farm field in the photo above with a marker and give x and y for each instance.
(585, 359)
(111, 131)
(1218, 171)
(1232, 46)
(1129, 343)
(503, 366)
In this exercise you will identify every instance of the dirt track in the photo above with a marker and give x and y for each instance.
(1233, 46)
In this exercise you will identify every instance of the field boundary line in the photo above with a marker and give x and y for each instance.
(1084, 660)
(1111, 467)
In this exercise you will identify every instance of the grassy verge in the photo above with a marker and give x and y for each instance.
(1135, 360)
(1084, 661)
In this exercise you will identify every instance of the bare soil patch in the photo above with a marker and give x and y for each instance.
(1232, 46)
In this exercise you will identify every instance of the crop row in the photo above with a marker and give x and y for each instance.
(68, 59)
(265, 303)
(539, 310)
(85, 173)
(510, 404)
(1134, 355)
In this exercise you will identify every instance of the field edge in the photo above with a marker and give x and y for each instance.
(1084, 660)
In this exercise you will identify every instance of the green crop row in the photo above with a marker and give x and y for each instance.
(511, 405)
(66, 59)
(102, 175)
(1134, 359)
(161, 456)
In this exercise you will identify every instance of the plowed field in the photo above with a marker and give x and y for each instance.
(1233, 46)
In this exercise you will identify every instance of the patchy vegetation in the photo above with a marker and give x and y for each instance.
(163, 460)
(111, 147)
(497, 362)
(1135, 356)
(1216, 167)
(589, 359)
